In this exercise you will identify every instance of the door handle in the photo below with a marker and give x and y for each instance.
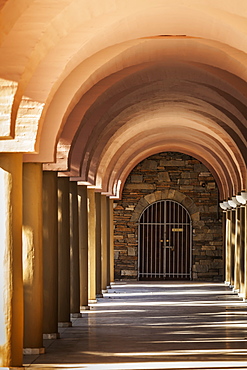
(170, 247)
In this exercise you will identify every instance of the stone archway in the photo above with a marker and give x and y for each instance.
(170, 194)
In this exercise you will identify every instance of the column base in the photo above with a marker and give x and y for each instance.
(236, 291)
(227, 282)
(82, 308)
(92, 301)
(75, 315)
(99, 295)
(33, 351)
(51, 336)
(104, 291)
(65, 324)
(241, 295)
(108, 287)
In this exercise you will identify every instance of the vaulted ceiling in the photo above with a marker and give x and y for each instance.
(90, 88)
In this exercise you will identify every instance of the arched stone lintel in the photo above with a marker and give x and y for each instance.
(169, 193)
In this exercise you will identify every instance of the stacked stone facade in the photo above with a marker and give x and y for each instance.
(170, 176)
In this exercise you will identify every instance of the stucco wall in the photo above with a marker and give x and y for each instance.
(184, 179)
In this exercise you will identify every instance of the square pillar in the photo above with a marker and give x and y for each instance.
(232, 246)
(242, 250)
(98, 245)
(104, 254)
(237, 250)
(111, 240)
(63, 253)
(228, 248)
(11, 283)
(83, 245)
(32, 258)
(91, 246)
(74, 253)
(50, 255)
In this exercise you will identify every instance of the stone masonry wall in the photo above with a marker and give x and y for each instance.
(168, 172)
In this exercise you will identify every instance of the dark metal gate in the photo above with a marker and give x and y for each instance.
(165, 242)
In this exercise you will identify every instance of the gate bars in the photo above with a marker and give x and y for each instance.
(165, 242)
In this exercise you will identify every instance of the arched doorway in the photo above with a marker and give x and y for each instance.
(165, 242)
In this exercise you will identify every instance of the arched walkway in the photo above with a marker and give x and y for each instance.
(144, 325)
(88, 90)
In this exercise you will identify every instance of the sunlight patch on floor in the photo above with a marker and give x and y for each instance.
(195, 365)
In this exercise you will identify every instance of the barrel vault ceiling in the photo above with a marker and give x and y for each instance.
(91, 88)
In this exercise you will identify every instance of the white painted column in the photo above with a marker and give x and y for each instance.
(83, 245)
(232, 246)
(32, 258)
(245, 252)
(242, 250)
(74, 253)
(50, 255)
(237, 251)
(11, 283)
(63, 253)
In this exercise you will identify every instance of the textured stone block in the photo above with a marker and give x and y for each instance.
(142, 186)
(136, 178)
(131, 251)
(128, 273)
(149, 165)
(164, 176)
(172, 163)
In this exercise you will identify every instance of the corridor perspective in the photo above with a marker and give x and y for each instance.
(123, 163)
(181, 325)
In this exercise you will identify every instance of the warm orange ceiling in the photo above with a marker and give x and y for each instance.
(90, 88)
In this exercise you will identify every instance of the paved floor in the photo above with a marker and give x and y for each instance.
(154, 326)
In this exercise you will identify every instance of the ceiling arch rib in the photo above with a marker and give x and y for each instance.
(192, 105)
(102, 42)
(181, 109)
(74, 87)
(197, 142)
(44, 41)
(119, 175)
(87, 124)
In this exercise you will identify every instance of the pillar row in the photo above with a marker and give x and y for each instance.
(50, 255)
(11, 283)
(245, 251)
(228, 247)
(91, 246)
(83, 245)
(63, 253)
(32, 258)
(111, 240)
(237, 250)
(74, 253)
(242, 251)
(104, 246)
(232, 246)
(98, 245)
